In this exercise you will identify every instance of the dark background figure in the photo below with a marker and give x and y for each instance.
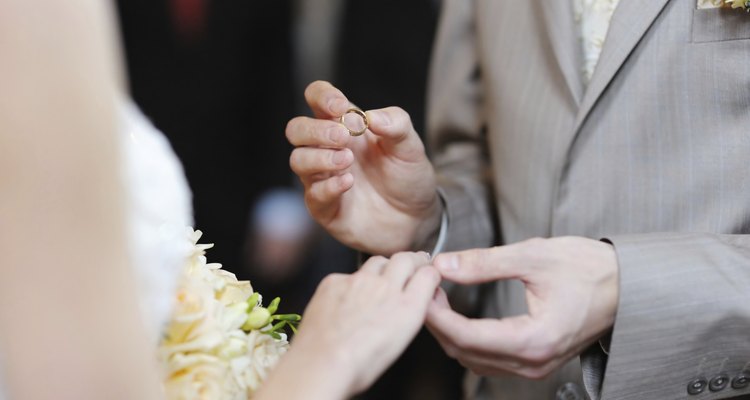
(215, 77)
(222, 78)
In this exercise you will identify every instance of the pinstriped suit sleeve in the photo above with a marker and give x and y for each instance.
(456, 130)
(683, 316)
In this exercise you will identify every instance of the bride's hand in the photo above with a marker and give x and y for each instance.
(375, 192)
(355, 327)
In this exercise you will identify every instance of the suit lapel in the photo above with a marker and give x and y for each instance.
(630, 22)
(563, 38)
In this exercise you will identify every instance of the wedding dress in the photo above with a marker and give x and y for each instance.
(159, 212)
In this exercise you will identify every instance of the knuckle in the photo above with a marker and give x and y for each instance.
(452, 352)
(332, 280)
(401, 256)
(462, 343)
(541, 351)
(565, 242)
(429, 274)
(399, 113)
(376, 260)
(315, 194)
(329, 187)
(330, 159)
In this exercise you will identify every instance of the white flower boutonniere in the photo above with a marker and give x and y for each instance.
(743, 4)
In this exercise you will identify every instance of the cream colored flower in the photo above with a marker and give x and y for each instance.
(194, 323)
(205, 352)
(232, 290)
(197, 377)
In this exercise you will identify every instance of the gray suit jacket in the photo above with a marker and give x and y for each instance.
(654, 155)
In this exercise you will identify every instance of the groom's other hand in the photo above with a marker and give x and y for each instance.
(375, 192)
(572, 294)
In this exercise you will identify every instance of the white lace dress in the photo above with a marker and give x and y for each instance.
(159, 212)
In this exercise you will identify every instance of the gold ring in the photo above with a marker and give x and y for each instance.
(355, 110)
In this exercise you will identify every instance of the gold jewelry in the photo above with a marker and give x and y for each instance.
(355, 110)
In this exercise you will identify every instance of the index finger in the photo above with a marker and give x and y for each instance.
(505, 337)
(325, 100)
(482, 265)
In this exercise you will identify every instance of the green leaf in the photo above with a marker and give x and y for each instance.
(278, 326)
(274, 305)
(288, 317)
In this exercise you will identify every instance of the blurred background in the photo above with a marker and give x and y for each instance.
(221, 79)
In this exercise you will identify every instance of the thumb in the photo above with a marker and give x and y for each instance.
(480, 265)
(394, 127)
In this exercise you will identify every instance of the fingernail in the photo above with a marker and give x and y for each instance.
(341, 157)
(447, 263)
(425, 254)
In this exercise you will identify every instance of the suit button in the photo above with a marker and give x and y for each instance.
(697, 386)
(718, 382)
(740, 381)
(569, 391)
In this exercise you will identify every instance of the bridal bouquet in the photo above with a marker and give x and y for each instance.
(220, 342)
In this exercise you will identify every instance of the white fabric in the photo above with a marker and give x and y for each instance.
(703, 4)
(593, 18)
(160, 211)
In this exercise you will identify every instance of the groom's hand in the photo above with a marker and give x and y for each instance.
(571, 291)
(375, 192)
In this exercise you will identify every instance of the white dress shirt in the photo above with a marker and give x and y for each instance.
(592, 18)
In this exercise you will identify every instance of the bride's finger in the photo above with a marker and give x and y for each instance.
(422, 285)
(374, 265)
(403, 265)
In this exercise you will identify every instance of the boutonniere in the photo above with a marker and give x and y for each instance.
(743, 4)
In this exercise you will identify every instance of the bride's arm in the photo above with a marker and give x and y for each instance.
(69, 327)
(354, 328)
